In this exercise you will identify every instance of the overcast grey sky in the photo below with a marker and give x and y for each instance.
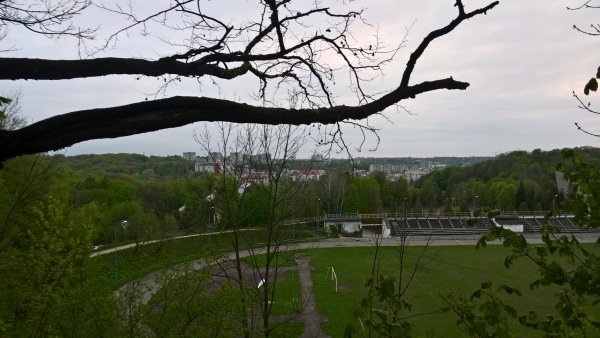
(523, 60)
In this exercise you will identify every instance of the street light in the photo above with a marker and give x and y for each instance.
(208, 226)
(123, 225)
(404, 214)
(294, 221)
(318, 214)
(554, 202)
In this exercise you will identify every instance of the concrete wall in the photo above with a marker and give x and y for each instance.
(385, 231)
(347, 226)
(512, 227)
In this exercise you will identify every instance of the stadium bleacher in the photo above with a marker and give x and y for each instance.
(445, 225)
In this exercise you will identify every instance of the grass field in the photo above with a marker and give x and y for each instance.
(444, 270)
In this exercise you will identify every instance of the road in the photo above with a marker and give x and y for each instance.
(131, 245)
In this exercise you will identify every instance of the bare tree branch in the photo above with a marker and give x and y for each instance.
(284, 50)
(39, 69)
(51, 18)
(65, 130)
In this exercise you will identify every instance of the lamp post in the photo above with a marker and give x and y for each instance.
(318, 213)
(477, 224)
(554, 207)
(123, 225)
(404, 213)
(294, 221)
(209, 225)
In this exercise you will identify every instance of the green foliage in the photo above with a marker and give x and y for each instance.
(584, 180)
(189, 304)
(48, 288)
(485, 314)
(368, 195)
(381, 308)
(513, 181)
(146, 167)
(3, 101)
(105, 191)
(561, 260)
(44, 267)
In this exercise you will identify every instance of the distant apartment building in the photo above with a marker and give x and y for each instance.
(426, 165)
(215, 157)
(236, 158)
(190, 156)
(208, 167)
(305, 175)
(413, 175)
(255, 177)
(387, 168)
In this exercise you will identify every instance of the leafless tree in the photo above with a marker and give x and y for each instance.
(238, 151)
(333, 187)
(51, 18)
(292, 47)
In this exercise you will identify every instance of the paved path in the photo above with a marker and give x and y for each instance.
(131, 245)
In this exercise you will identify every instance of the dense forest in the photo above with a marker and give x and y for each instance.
(518, 180)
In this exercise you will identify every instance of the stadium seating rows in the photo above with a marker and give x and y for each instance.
(457, 225)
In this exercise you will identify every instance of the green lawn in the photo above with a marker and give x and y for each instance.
(444, 270)
(287, 295)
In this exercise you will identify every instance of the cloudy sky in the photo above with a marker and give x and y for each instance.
(523, 60)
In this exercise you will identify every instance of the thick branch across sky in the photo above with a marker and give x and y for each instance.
(62, 131)
(214, 60)
(41, 69)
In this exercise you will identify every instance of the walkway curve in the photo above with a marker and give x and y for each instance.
(310, 316)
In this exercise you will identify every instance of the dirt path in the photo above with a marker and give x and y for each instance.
(310, 316)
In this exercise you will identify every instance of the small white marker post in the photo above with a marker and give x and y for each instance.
(333, 276)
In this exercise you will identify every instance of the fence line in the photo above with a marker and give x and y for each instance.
(358, 216)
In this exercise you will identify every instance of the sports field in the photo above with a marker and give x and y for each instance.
(458, 269)
(443, 270)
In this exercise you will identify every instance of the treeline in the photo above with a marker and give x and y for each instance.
(518, 180)
(174, 197)
(145, 167)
